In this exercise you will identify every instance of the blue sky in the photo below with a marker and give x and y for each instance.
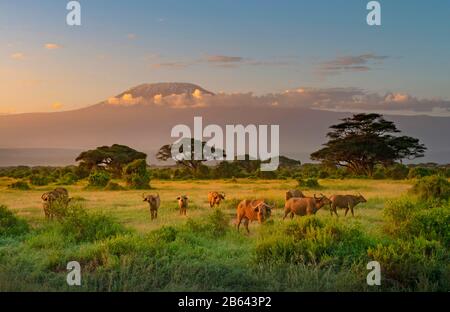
(231, 46)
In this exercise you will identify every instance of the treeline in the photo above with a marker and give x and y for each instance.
(138, 173)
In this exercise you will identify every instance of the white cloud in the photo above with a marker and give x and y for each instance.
(18, 56)
(52, 46)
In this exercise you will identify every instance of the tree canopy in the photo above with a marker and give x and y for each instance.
(364, 140)
(112, 158)
(185, 147)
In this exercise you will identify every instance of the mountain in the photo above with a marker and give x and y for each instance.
(149, 90)
(132, 118)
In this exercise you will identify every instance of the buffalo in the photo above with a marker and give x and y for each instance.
(305, 206)
(59, 196)
(153, 202)
(345, 201)
(182, 204)
(214, 198)
(293, 193)
(252, 210)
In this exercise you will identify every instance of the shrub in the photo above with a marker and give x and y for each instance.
(68, 179)
(309, 183)
(113, 186)
(398, 212)
(420, 172)
(409, 263)
(432, 188)
(215, 225)
(80, 226)
(10, 224)
(99, 178)
(39, 180)
(19, 185)
(136, 174)
(432, 224)
(312, 241)
(397, 172)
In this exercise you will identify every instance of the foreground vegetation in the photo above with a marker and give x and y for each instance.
(120, 249)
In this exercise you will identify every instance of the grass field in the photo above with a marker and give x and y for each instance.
(130, 210)
(199, 252)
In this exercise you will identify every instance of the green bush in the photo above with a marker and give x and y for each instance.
(10, 224)
(308, 183)
(99, 178)
(432, 224)
(399, 211)
(413, 264)
(19, 185)
(113, 186)
(80, 226)
(420, 172)
(397, 172)
(68, 179)
(39, 180)
(137, 175)
(215, 225)
(432, 188)
(311, 241)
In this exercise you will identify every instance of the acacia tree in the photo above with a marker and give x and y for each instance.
(112, 158)
(186, 149)
(364, 140)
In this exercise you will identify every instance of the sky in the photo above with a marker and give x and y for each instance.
(227, 46)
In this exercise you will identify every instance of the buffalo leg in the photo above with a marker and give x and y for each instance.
(346, 210)
(239, 220)
(246, 225)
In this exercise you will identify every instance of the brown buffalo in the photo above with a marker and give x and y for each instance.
(305, 206)
(252, 210)
(293, 193)
(345, 201)
(183, 204)
(214, 198)
(153, 202)
(57, 196)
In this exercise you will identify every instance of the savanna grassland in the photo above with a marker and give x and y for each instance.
(121, 249)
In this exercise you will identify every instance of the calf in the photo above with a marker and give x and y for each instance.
(182, 204)
(153, 202)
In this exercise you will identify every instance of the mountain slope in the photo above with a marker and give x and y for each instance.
(147, 127)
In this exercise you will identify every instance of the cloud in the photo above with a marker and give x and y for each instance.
(57, 105)
(52, 46)
(223, 59)
(126, 99)
(131, 36)
(18, 56)
(170, 65)
(333, 99)
(358, 63)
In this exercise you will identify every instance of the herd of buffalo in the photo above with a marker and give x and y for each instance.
(247, 210)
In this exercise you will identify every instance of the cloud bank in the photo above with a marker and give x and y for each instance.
(333, 99)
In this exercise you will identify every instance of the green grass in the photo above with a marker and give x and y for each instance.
(121, 249)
